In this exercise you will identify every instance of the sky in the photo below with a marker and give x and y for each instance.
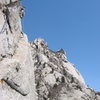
(73, 25)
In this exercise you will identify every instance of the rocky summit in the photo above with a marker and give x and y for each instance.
(31, 71)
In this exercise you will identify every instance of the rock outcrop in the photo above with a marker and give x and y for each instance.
(31, 71)
(16, 66)
(56, 78)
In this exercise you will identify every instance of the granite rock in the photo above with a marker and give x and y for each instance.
(56, 78)
(30, 70)
(17, 81)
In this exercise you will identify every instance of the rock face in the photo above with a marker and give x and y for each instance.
(56, 78)
(31, 71)
(16, 66)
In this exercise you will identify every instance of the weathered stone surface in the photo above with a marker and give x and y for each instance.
(16, 66)
(31, 71)
(56, 78)
(10, 28)
(6, 2)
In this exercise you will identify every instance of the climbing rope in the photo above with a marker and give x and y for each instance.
(4, 28)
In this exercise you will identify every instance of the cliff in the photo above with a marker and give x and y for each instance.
(31, 71)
